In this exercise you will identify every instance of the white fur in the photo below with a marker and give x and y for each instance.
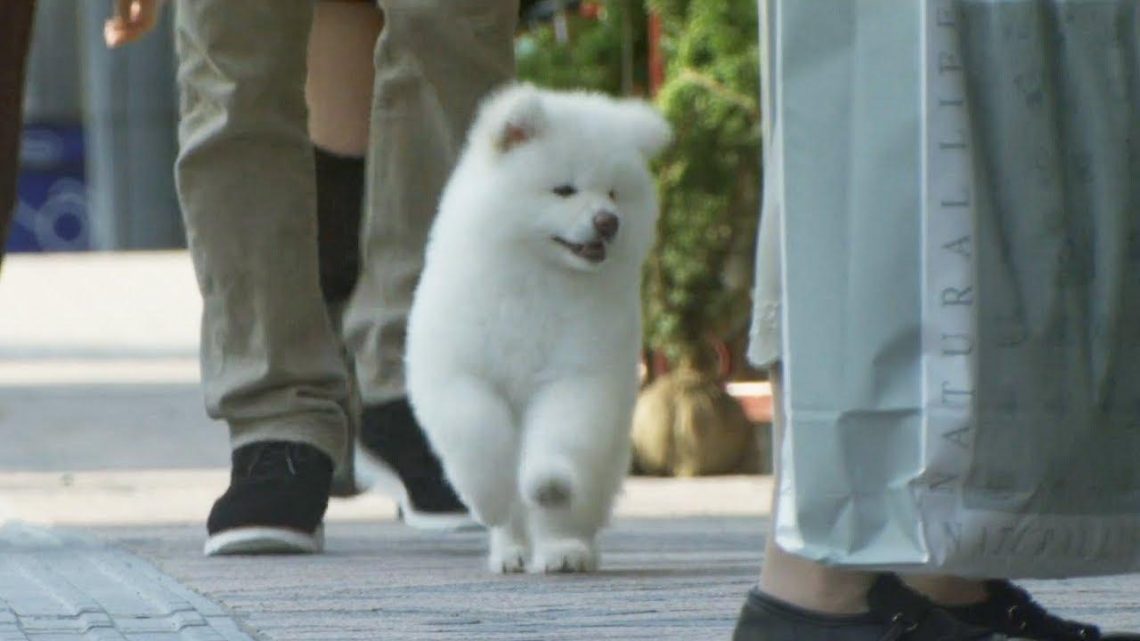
(522, 356)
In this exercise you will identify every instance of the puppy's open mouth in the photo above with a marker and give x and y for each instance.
(594, 251)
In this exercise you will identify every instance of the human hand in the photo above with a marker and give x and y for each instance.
(133, 19)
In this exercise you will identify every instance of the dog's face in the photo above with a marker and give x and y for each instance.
(569, 176)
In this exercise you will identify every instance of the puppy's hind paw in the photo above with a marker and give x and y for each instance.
(564, 557)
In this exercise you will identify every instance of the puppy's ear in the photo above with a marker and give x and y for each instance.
(513, 117)
(650, 131)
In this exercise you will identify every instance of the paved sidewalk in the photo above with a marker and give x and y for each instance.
(681, 579)
(677, 579)
(108, 466)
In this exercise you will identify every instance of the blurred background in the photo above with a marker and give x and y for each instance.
(97, 280)
(100, 138)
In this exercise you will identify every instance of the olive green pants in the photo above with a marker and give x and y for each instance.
(274, 362)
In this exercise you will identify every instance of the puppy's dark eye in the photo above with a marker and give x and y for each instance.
(565, 191)
(613, 194)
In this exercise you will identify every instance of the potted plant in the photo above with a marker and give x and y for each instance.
(699, 276)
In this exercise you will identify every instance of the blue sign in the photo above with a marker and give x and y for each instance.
(51, 206)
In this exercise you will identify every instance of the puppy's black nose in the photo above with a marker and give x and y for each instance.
(606, 224)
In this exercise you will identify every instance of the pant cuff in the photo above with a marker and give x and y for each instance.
(330, 439)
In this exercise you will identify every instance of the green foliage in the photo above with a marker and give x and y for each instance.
(592, 56)
(709, 179)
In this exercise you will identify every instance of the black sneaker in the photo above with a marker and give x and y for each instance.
(394, 456)
(275, 503)
(912, 616)
(1010, 610)
(765, 618)
(895, 613)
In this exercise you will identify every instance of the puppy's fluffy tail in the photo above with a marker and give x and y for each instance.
(550, 485)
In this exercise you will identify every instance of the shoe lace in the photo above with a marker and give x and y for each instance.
(269, 460)
(1026, 616)
(900, 627)
(912, 616)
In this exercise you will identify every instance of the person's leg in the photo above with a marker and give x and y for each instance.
(271, 363)
(338, 90)
(338, 87)
(801, 600)
(828, 602)
(435, 61)
(15, 39)
(818, 587)
(795, 579)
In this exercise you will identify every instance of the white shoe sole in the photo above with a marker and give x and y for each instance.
(265, 540)
(374, 474)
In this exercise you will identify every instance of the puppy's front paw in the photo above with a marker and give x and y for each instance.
(510, 559)
(564, 556)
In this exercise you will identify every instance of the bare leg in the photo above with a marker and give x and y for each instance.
(339, 85)
(797, 580)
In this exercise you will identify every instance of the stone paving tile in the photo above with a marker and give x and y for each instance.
(57, 587)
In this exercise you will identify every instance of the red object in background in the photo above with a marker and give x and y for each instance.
(656, 61)
(755, 397)
(590, 10)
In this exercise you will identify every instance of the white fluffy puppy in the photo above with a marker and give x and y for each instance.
(524, 337)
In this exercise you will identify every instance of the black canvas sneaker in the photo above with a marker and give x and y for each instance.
(1010, 610)
(896, 613)
(394, 456)
(275, 503)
